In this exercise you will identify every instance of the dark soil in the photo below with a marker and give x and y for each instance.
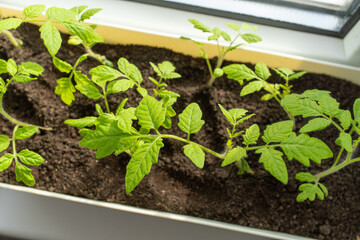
(175, 184)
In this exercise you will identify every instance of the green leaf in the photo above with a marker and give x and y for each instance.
(89, 13)
(315, 125)
(195, 153)
(245, 26)
(102, 74)
(10, 23)
(225, 36)
(23, 79)
(24, 174)
(60, 14)
(11, 67)
(33, 10)
(119, 86)
(297, 75)
(89, 91)
(281, 74)
(273, 163)
(30, 68)
(61, 65)
(239, 72)
(30, 158)
(5, 161)
(344, 117)
(233, 26)
(108, 138)
(85, 32)
(357, 110)
(150, 113)
(227, 114)
(250, 38)
(303, 148)
(262, 70)
(81, 122)
(51, 37)
(4, 142)
(81, 78)
(309, 191)
(235, 154)
(315, 94)
(277, 132)
(190, 119)
(305, 177)
(286, 71)
(324, 189)
(304, 107)
(141, 162)
(329, 105)
(252, 134)
(142, 91)
(197, 24)
(267, 97)
(3, 66)
(344, 140)
(66, 90)
(25, 132)
(125, 118)
(237, 113)
(252, 87)
(79, 9)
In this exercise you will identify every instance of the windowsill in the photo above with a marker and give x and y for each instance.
(173, 23)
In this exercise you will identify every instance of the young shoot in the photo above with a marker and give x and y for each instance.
(23, 73)
(325, 112)
(233, 43)
(73, 20)
(258, 80)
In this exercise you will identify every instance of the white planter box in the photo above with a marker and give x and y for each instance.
(35, 214)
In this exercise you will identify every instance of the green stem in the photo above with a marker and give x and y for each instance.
(258, 147)
(97, 56)
(10, 118)
(14, 144)
(157, 86)
(106, 101)
(218, 65)
(15, 41)
(221, 156)
(334, 169)
(338, 157)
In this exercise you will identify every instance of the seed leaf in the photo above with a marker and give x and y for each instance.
(108, 138)
(262, 71)
(303, 148)
(24, 174)
(250, 38)
(251, 87)
(235, 154)
(273, 163)
(150, 113)
(252, 134)
(89, 13)
(81, 122)
(141, 162)
(190, 119)
(344, 140)
(357, 110)
(305, 177)
(85, 32)
(315, 125)
(5, 161)
(61, 65)
(239, 72)
(10, 23)
(66, 90)
(196, 154)
(30, 158)
(197, 24)
(309, 191)
(30, 68)
(4, 142)
(51, 37)
(89, 91)
(33, 10)
(25, 132)
(277, 132)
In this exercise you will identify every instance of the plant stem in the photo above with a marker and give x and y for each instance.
(15, 41)
(218, 65)
(106, 101)
(97, 56)
(14, 144)
(221, 156)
